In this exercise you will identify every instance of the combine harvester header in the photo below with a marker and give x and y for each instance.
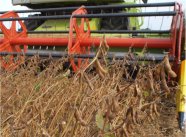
(81, 38)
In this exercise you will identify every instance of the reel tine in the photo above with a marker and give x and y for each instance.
(161, 23)
(54, 48)
(148, 22)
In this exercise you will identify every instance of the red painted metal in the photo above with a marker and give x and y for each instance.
(176, 32)
(1, 41)
(180, 35)
(81, 35)
(163, 43)
(80, 42)
(176, 35)
(40, 41)
(11, 33)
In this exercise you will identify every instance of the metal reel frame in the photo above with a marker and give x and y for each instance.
(10, 62)
(81, 34)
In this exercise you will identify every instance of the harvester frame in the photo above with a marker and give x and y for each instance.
(79, 40)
